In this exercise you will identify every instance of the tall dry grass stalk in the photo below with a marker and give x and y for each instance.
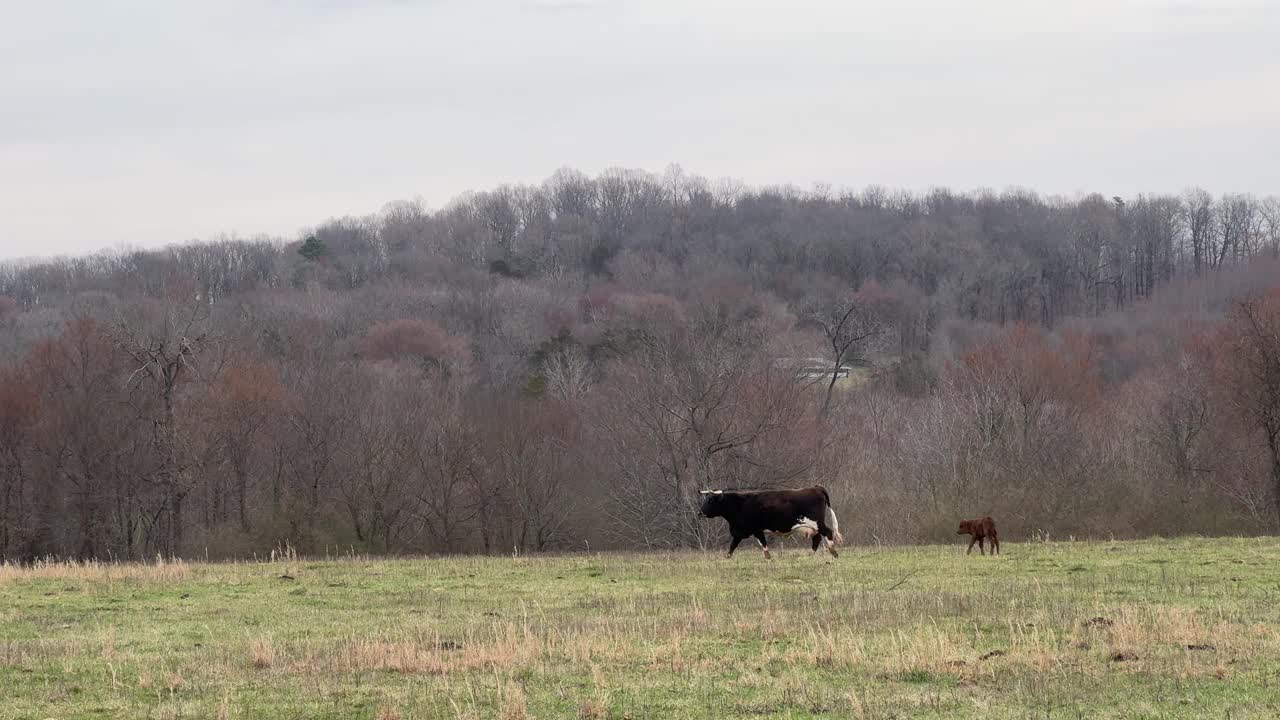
(162, 570)
(262, 653)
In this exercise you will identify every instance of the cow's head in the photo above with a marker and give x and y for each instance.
(966, 527)
(712, 503)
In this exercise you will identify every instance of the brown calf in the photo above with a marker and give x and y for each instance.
(978, 530)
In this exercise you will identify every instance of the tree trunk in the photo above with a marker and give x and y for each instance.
(1273, 443)
(831, 386)
(242, 484)
(175, 528)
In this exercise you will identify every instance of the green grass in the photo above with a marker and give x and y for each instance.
(1153, 629)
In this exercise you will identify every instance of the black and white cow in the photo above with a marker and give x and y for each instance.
(753, 513)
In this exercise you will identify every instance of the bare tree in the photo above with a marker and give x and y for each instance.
(1270, 225)
(528, 451)
(1199, 219)
(166, 341)
(440, 448)
(568, 372)
(373, 481)
(850, 328)
(698, 407)
(1251, 372)
(316, 424)
(19, 410)
(245, 399)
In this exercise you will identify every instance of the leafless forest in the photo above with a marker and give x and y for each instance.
(565, 365)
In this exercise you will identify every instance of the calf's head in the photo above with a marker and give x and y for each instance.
(966, 527)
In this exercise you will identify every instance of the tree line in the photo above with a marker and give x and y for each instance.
(565, 365)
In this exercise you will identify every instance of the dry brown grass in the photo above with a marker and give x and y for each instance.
(591, 710)
(498, 649)
(262, 652)
(514, 704)
(159, 571)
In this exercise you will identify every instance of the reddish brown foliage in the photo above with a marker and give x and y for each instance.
(18, 404)
(1023, 361)
(405, 338)
(598, 298)
(647, 305)
(247, 387)
(873, 293)
(82, 343)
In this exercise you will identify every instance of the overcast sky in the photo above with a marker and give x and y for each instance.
(157, 121)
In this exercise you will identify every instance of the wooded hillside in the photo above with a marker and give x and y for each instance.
(563, 365)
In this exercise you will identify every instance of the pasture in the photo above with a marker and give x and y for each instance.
(1152, 629)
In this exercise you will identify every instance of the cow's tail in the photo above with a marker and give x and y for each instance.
(834, 524)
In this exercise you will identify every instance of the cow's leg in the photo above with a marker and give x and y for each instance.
(981, 550)
(972, 541)
(825, 533)
(733, 545)
(764, 544)
(995, 544)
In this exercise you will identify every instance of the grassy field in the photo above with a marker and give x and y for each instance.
(1153, 629)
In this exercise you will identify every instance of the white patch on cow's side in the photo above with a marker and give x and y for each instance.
(806, 527)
